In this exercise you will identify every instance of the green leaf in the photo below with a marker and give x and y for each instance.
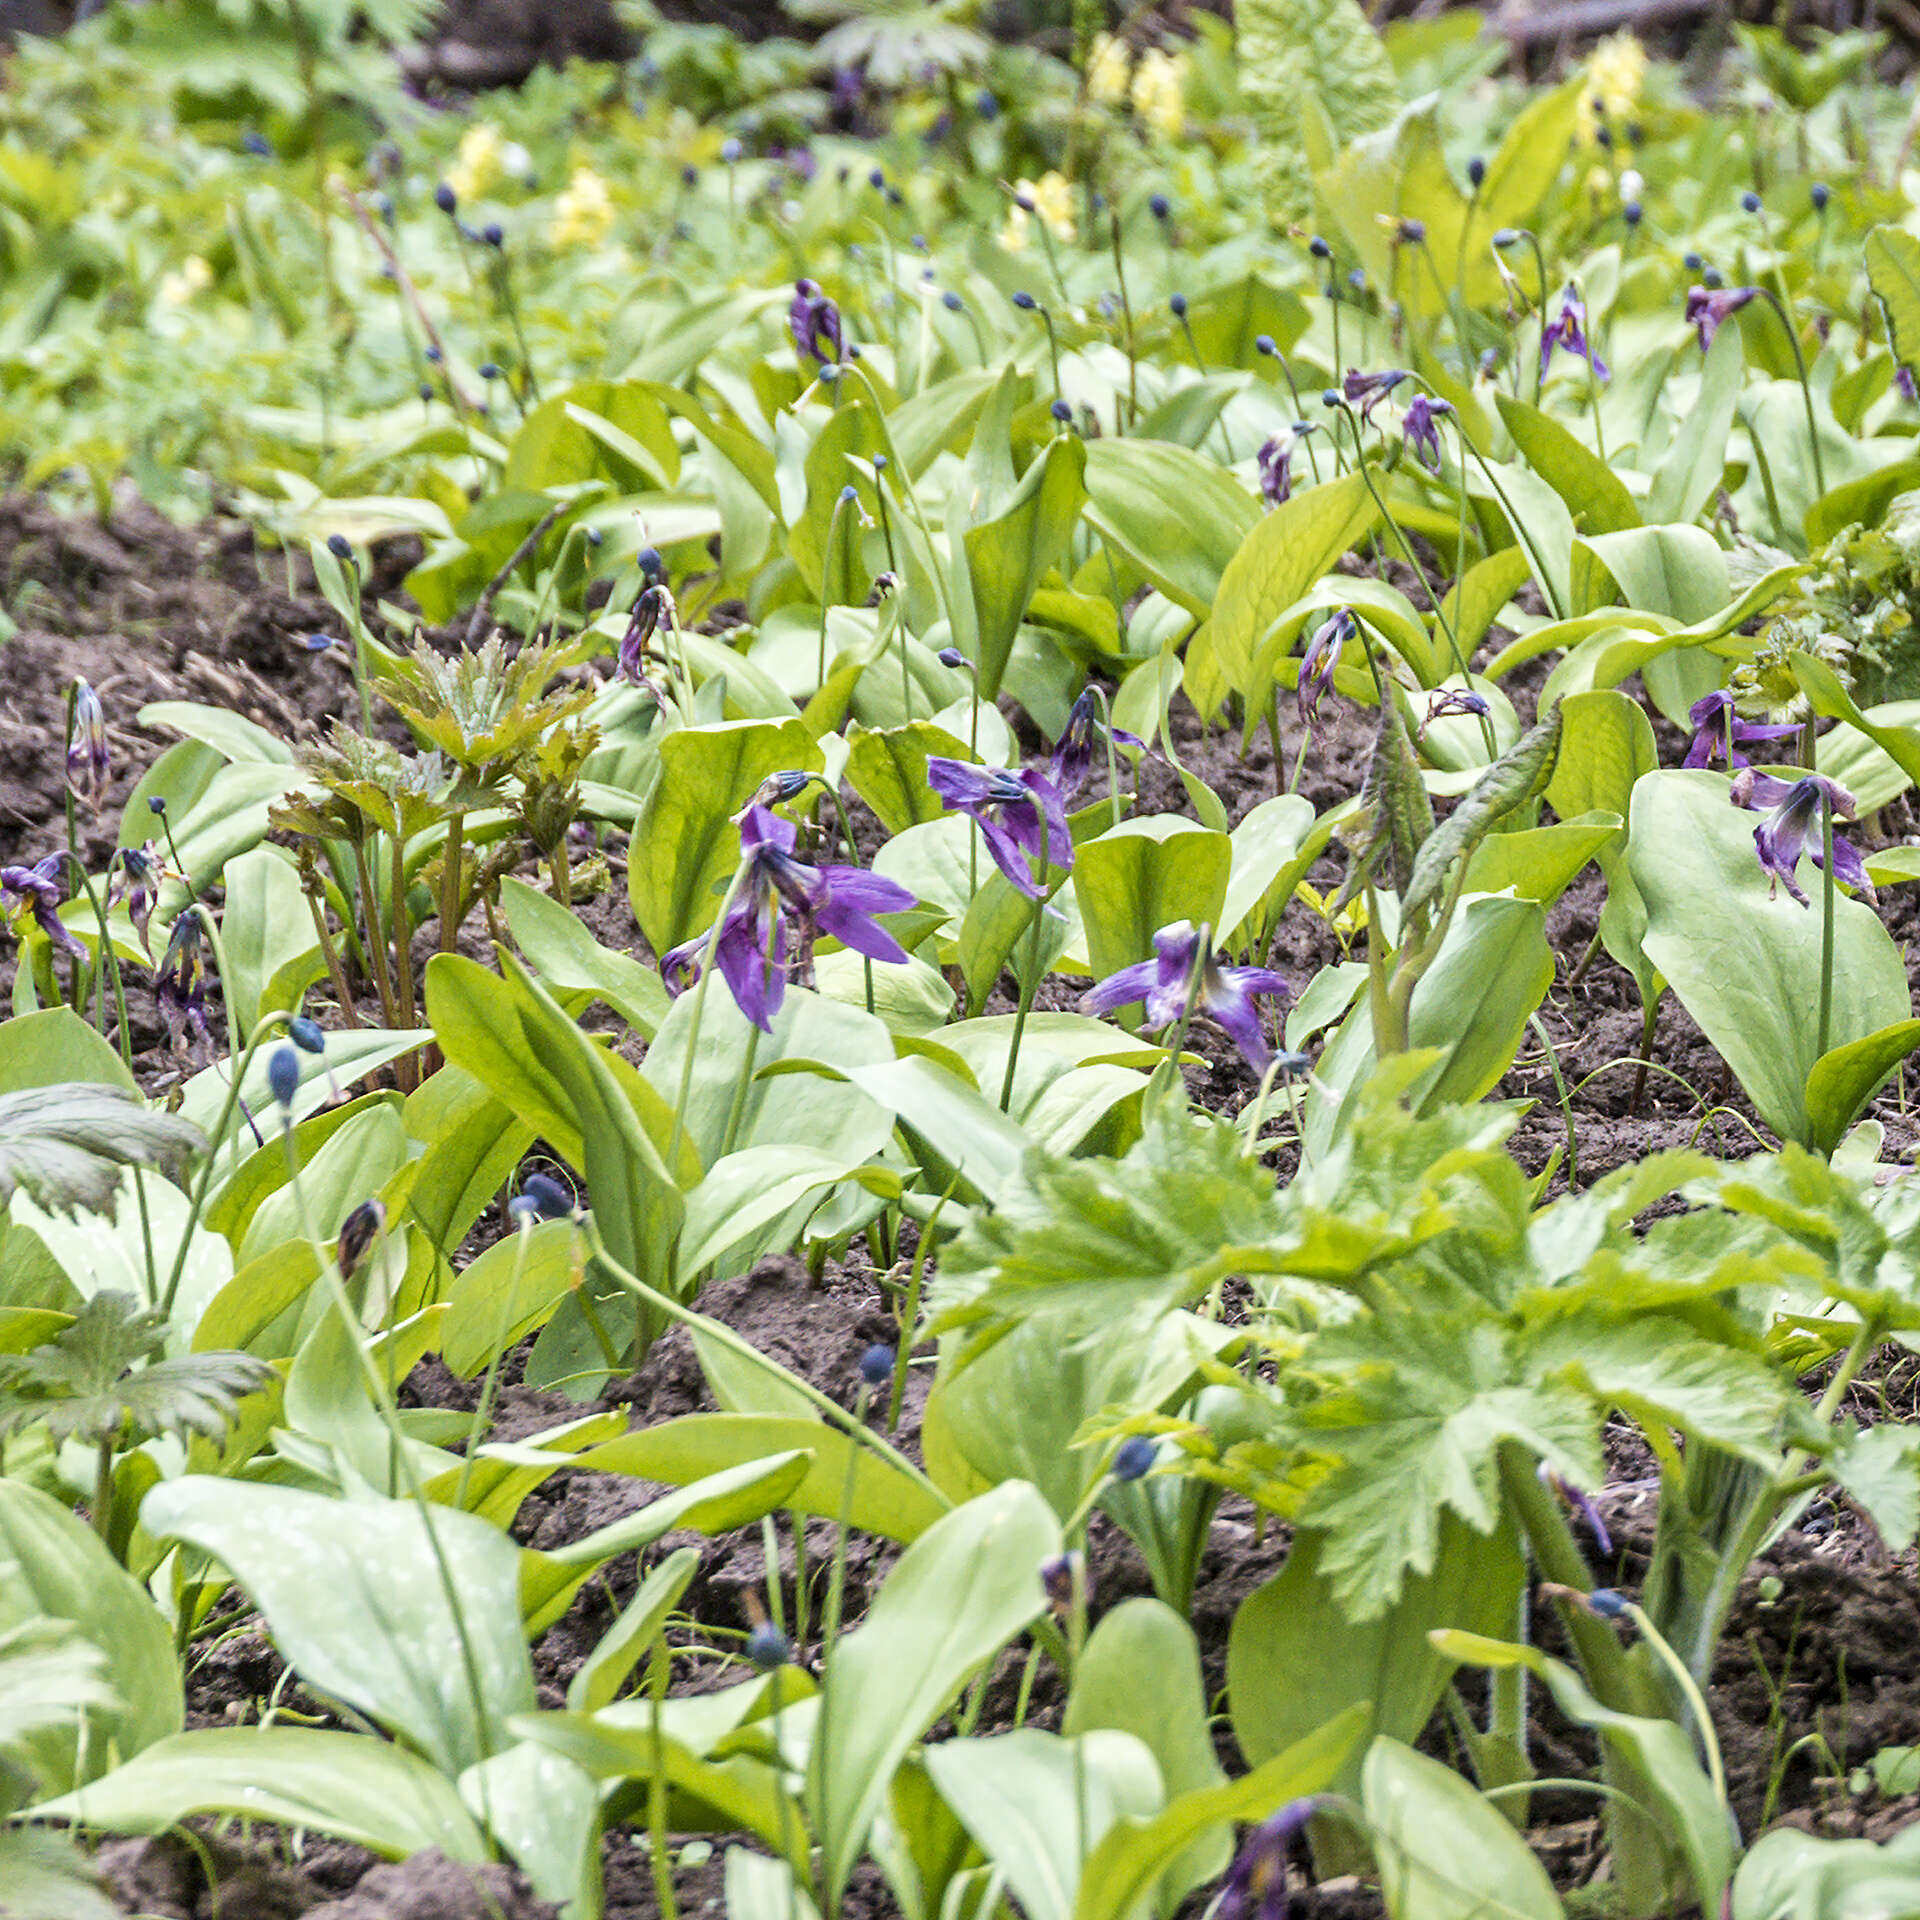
(265, 929)
(1829, 698)
(1893, 271)
(1143, 875)
(887, 768)
(354, 1598)
(1842, 1082)
(1879, 1467)
(1180, 518)
(65, 1144)
(685, 846)
(1442, 1851)
(956, 1596)
(1009, 555)
(1606, 746)
(600, 1676)
(569, 960)
(1593, 492)
(1746, 966)
(1694, 462)
(1285, 553)
(369, 1792)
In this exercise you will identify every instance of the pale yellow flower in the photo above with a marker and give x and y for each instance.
(1616, 71)
(1052, 197)
(1107, 70)
(582, 211)
(192, 276)
(478, 165)
(1158, 96)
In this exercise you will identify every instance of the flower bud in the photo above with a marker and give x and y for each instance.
(340, 546)
(1179, 305)
(876, 1364)
(445, 198)
(1477, 172)
(1135, 1457)
(1160, 206)
(767, 1647)
(305, 1034)
(1749, 202)
(283, 1075)
(1061, 412)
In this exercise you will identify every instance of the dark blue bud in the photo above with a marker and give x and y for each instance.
(895, 198)
(879, 463)
(1750, 202)
(1713, 278)
(157, 803)
(318, 642)
(257, 144)
(1603, 136)
(1024, 201)
(767, 1647)
(1263, 343)
(1820, 194)
(829, 375)
(1135, 1457)
(305, 1034)
(919, 243)
(951, 657)
(445, 198)
(849, 495)
(730, 150)
(650, 562)
(595, 537)
(1692, 262)
(434, 356)
(876, 1364)
(1608, 1604)
(488, 370)
(1507, 237)
(1632, 213)
(548, 1197)
(1331, 397)
(1179, 305)
(1477, 172)
(853, 349)
(340, 546)
(1061, 412)
(1357, 279)
(689, 176)
(952, 302)
(1319, 248)
(877, 180)
(283, 1074)
(494, 234)
(1160, 206)
(987, 106)
(425, 390)
(1025, 301)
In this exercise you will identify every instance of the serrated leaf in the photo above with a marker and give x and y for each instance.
(64, 1145)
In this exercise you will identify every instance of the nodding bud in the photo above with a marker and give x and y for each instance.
(494, 234)
(1179, 305)
(1058, 1579)
(340, 546)
(730, 150)
(306, 1034)
(1692, 262)
(1477, 172)
(1135, 1457)
(788, 784)
(1263, 343)
(1632, 213)
(1319, 248)
(879, 463)
(359, 1234)
(650, 563)
(849, 495)
(1331, 397)
(876, 1364)
(951, 657)
(595, 537)
(1712, 279)
(1507, 237)
(952, 301)
(1820, 194)
(157, 803)
(425, 390)
(544, 1196)
(1160, 206)
(1061, 412)
(1024, 201)
(283, 1075)
(767, 1647)
(488, 370)
(434, 356)
(445, 198)
(689, 176)
(877, 180)
(1025, 301)
(1750, 202)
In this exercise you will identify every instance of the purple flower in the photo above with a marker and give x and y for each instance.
(89, 762)
(1317, 663)
(1275, 461)
(1581, 1503)
(1708, 312)
(1022, 815)
(137, 877)
(180, 980)
(1367, 390)
(1423, 436)
(1569, 330)
(815, 321)
(654, 604)
(1904, 383)
(1073, 754)
(1257, 1882)
(37, 889)
(1716, 732)
(1183, 961)
(1782, 836)
(754, 939)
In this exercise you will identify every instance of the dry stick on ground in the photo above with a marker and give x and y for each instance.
(411, 294)
(483, 607)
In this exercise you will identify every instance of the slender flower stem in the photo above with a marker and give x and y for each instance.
(1540, 268)
(1826, 925)
(483, 1407)
(1126, 309)
(699, 1009)
(1029, 986)
(1779, 305)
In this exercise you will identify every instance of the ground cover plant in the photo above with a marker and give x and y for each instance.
(956, 978)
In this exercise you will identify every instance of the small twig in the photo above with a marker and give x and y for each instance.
(483, 607)
(411, 294)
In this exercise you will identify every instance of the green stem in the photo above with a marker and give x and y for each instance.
(483, 1409)
(699, 1010)
(1779, 305)
(657, 1674)
(1029, 986)
(1826, 924)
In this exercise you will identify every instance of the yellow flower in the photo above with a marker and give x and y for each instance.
(1107, 71)
(1157, 92)
(478, 165)
(1052, 198)
(178, 287)
(1615, 73)
(582, 211)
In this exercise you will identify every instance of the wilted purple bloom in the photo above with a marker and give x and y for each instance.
(1423, 436)
(1904, 383)
(180, 980)
(1059, 1577)
(1708, 312)
(1317, 663)
(1783, 835)
(815, 321)
(1716, 732)
(1581, 1503)
(137, 877)
(752, 948)
(1569, 331)
(38, 889)
(1224, 994)
(654, 605)
(1275, 461)
(1367, 390)
(1022, 816)
(89, 762)
(1073, 755)
(1257, 1883)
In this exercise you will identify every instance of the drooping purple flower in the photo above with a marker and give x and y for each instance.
(1717, 733)
(1256, 1886)
(654, 605)
(1582, 1504)
(1275, 461)
(1317, 663)
(89, 760)
(1904, 383)
(1568, 331)
(815, 322)
(778, 889)
(1423, 435)
(1183, 962)
(1708, 312)
(38, 890)
(1073, 753)
(138, 873)
(180, 980)
(1022, 816)
(1786, 832)
(1367, 390)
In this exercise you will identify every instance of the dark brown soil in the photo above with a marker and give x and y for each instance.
(146, 610)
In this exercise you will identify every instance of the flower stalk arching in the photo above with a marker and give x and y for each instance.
(1777, 301)
(1126, 314)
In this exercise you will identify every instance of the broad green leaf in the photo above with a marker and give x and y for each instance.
(1593, 492)
(1829, 698)
(1178, 516)
(1693, 464)
(1893, 271)
(1842, 1082)
(887, 768)
(266, 927)
(600, 1676)
(558, 947)
(1147, 874)
(956, 1596)
(1009, 555)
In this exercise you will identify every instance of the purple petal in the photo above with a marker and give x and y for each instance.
(1848, 866)
(1259, 980)
(958, 783)
(858, 930)
(1004, 843)
(1123, 988)
(760, 827)
(754, 967)
(1236, 1016)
